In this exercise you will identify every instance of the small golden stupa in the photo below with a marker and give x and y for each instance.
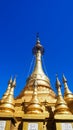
(68, 96)
(8, 89)
(7, 102)
(34, 106)
(60, 106)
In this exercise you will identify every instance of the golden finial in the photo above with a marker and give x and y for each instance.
(8, 89)
(58, 84)
(37, 39)
(68, 96)
(61, 106)
(38, 46)
(34, 106)
(14, 82)
(10, 81)
(64, 79)
(7, 105)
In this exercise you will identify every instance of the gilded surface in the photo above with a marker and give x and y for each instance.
(37, 102)
(60, 106)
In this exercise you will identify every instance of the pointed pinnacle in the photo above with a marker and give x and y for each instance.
(38, 40)
(10, 81)
(58, 84)
(14, 82)
(38, 47)
(64, 79)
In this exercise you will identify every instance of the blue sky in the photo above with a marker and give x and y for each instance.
(19, 23)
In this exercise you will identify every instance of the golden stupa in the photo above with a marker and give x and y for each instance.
(60, 106)
(68, 95)
(37, 107)
(44, 87)
(34, 106)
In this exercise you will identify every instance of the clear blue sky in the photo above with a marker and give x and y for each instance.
(19, 23)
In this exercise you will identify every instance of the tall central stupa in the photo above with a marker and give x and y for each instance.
(45, 91)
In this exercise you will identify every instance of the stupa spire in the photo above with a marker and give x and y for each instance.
(7, 104)
(37, 38)
(14, 82)
(8, 89)
(61, 106)
(68, 96)
(34, 106)
(38, 47)
(58, 86)
(38, 51)
(38, 72)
